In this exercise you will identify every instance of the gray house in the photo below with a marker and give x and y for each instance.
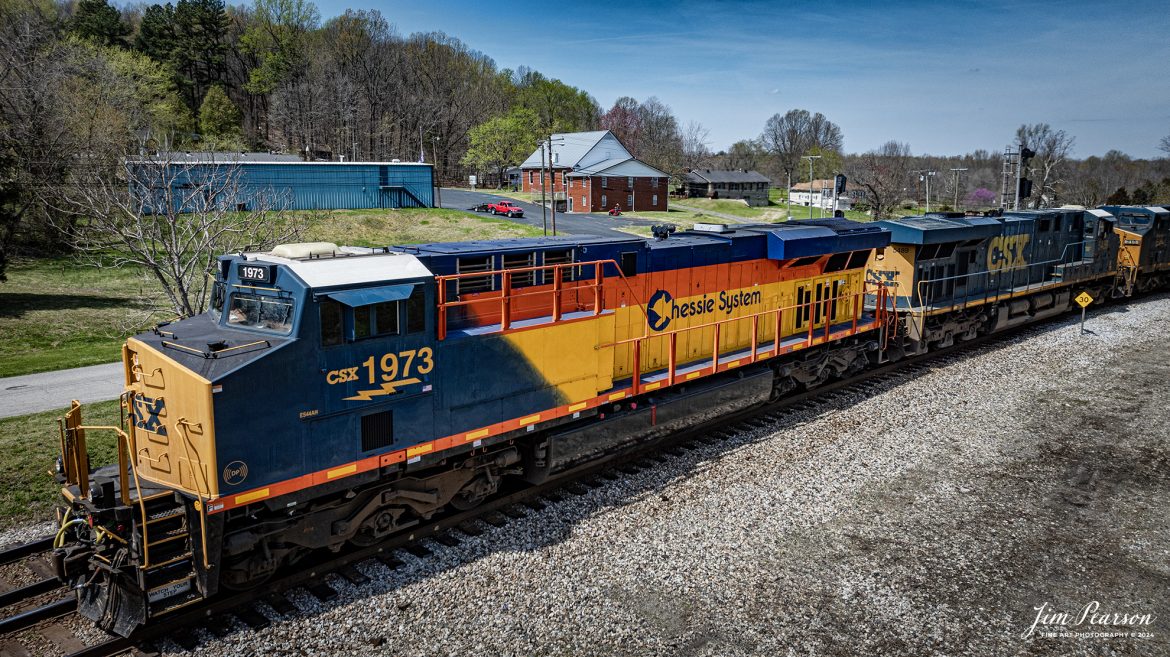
(751, 186)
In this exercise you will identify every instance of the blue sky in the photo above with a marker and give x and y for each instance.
(947, 78)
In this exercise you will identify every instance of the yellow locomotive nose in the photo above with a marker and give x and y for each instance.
(172, 431)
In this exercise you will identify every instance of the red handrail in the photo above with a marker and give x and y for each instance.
(672, 336)
(506, 296)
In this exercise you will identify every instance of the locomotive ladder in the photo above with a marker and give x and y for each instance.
(160, 539)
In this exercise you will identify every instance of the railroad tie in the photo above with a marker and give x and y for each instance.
(252, 618)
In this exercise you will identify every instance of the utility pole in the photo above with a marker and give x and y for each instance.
(810, 159)
(552, 180)
(543, 203)
(958, 171)
(438, 183)
(928, 176)
(788, 195)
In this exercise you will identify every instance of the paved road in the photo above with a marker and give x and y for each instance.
(33, 393)
(567, 224)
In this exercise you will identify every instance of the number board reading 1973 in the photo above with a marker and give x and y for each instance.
(255, 273)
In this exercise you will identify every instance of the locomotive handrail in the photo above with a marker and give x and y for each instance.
(185, 425)
(505, 296)
(827, 316)
(123, 463)
(922, 295)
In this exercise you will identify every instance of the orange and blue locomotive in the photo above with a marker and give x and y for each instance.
(339, 395)
(336, 395)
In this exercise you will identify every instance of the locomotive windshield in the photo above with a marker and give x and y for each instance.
(261, 312)
(216, 305)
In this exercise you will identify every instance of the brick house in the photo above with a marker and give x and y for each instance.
(750, 186)
(593, 172)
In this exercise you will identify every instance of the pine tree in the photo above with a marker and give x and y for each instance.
(99, 22)
(219, 118)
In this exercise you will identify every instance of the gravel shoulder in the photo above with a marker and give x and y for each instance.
(933, 517)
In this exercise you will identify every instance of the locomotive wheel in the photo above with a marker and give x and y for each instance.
(377, 527)
(465, 501)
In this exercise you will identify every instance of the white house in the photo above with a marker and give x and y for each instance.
(820, 195)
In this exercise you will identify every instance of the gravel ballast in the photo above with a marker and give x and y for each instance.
(931, 515)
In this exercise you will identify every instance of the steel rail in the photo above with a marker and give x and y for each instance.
(27, 619)
(22, 550)
(9, 598)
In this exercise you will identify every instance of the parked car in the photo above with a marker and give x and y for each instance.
(506, 208)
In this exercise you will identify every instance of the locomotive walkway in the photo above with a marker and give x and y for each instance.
(46, 391)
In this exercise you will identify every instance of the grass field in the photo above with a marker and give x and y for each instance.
(409, 226)
(29, 445)
(60, 313)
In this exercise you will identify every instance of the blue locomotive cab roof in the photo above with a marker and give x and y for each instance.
(371, 295)
(940, 230)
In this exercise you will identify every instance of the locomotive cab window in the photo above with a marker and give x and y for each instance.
(271, 314)
(375, 320)
(416, 308)
(332, 323)
(217, 298)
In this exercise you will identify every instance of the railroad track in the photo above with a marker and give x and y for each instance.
(216, 614)
(32, 597)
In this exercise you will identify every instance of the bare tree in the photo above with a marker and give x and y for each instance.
(1052, 149)
(694, 145)
(883, 173)
(625, 123)
(797, 133)
(747, 154)
(1164, 145)
(172, 218)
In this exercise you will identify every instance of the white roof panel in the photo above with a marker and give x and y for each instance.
(352, 270)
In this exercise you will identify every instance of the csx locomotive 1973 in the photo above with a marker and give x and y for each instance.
(336, 395)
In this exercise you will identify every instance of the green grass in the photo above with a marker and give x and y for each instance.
(61, 313)
(29, 446)
(408, 226)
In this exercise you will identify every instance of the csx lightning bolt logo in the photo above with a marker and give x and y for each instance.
(147, 414)
(387, 373)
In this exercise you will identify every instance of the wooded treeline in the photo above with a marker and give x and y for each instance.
(83, 84)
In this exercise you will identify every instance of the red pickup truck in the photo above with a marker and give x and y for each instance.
(507, 208)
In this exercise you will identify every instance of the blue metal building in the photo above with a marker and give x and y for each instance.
(299, 185)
